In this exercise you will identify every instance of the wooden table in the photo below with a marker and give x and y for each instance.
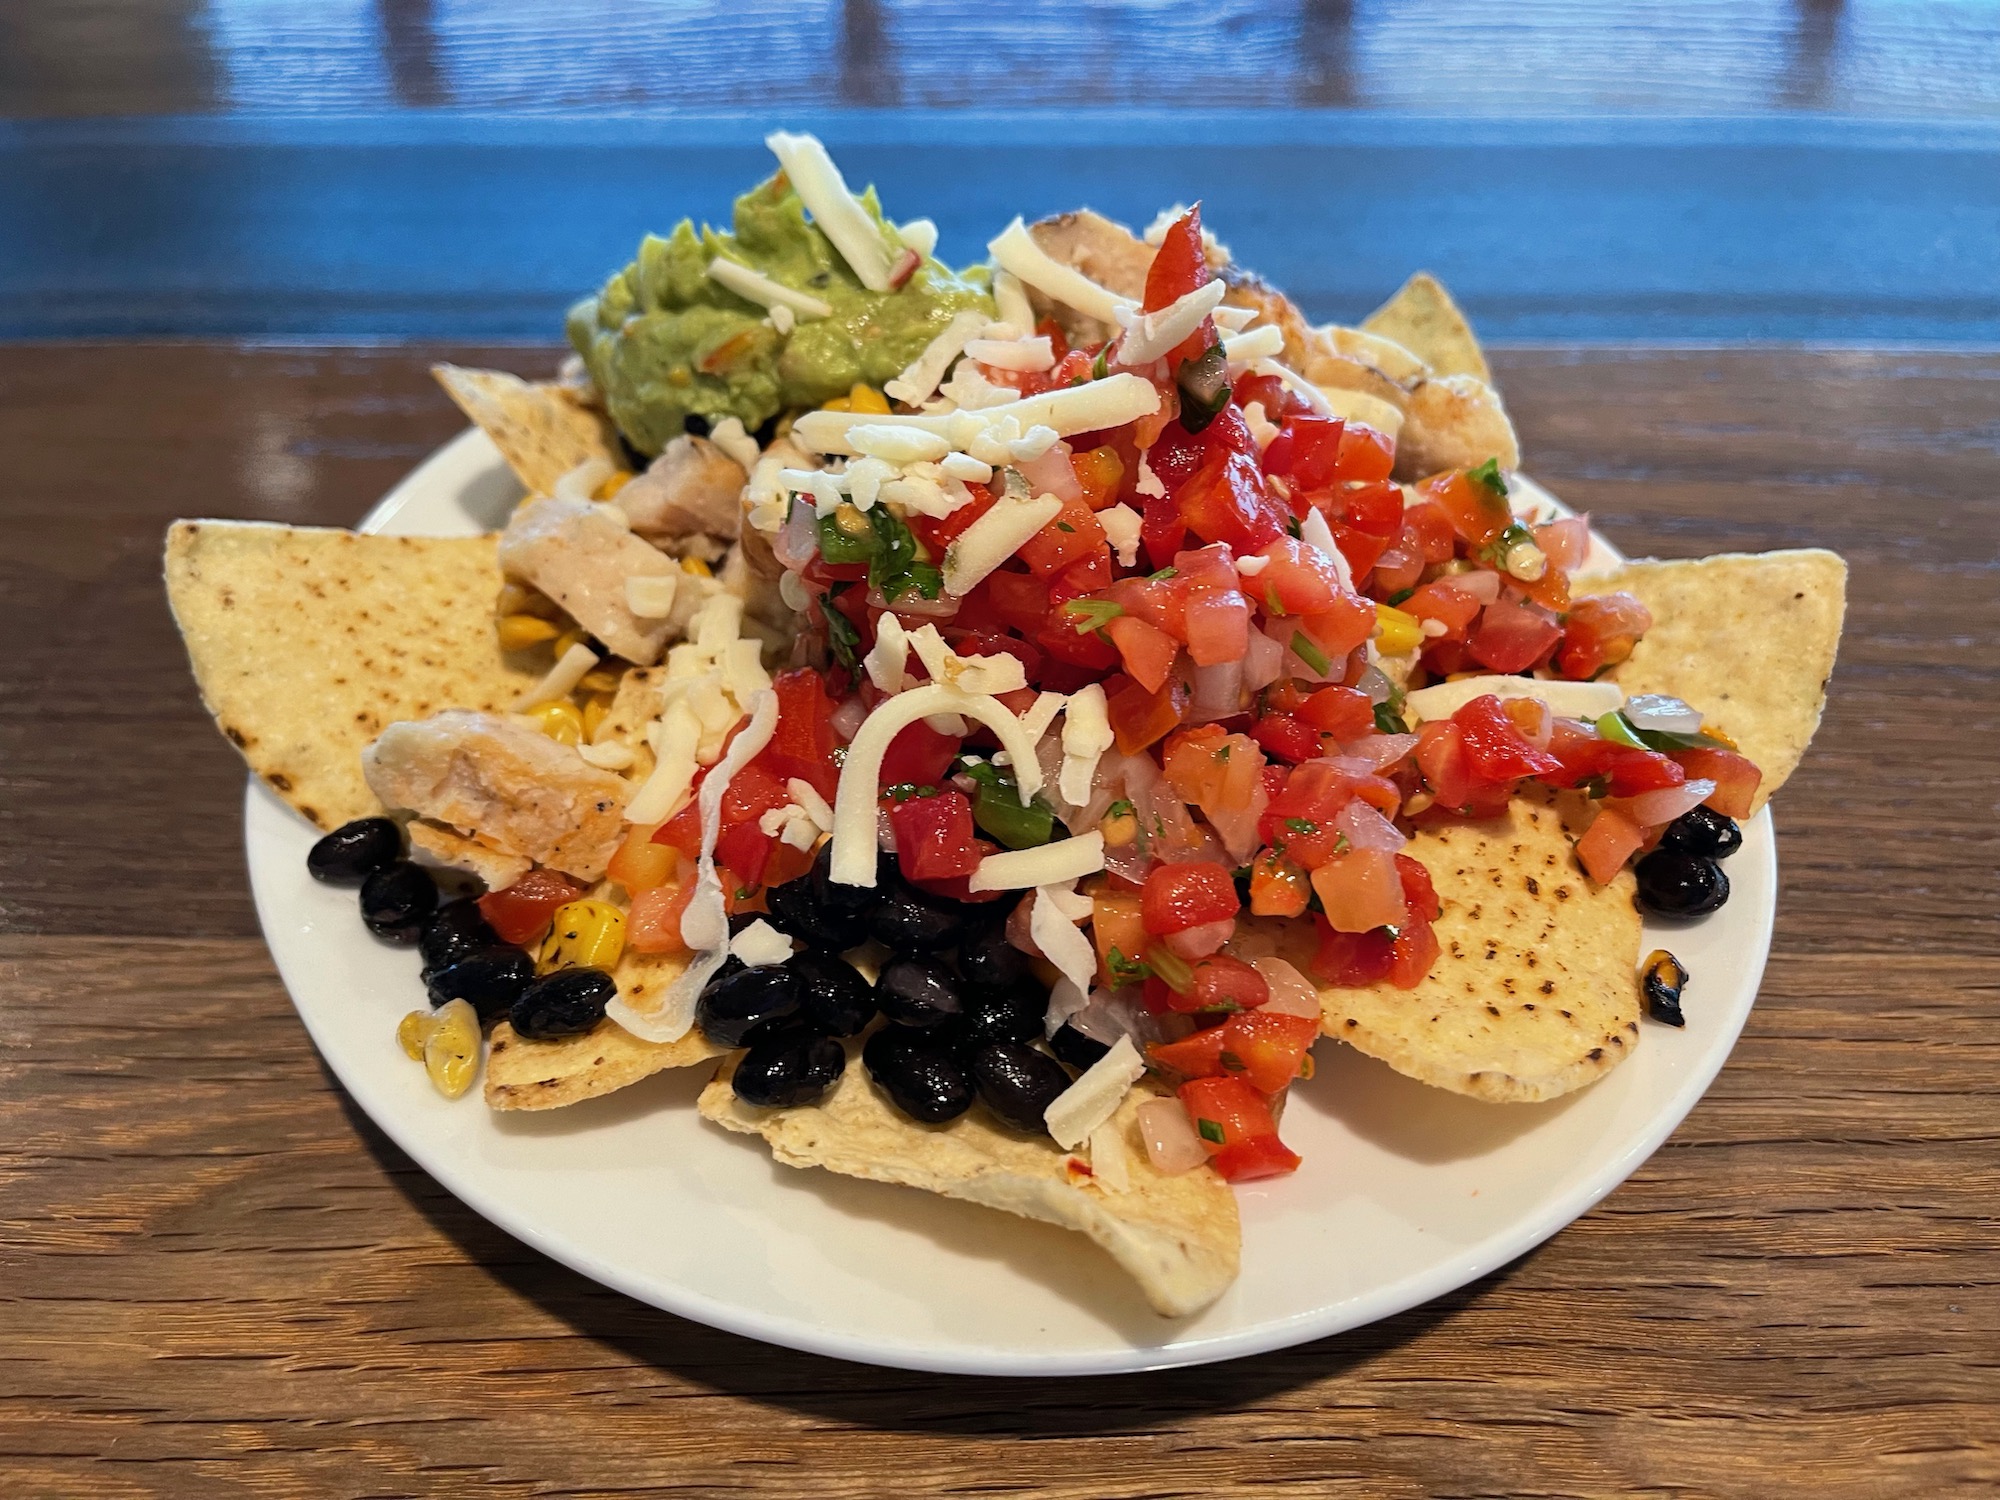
(218, 1279)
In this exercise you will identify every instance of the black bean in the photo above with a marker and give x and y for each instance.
(1076, 1048)
(490, 980)
(849, 900)
(908, 920)
(456, 929)
(991, 964)
(1665, 979)
(815, 910)
(924, 1081)
(833, 997)
(564, 1003)
(1018, 1083)
(1681, 885)
(354, 851)
(732, 1005)
(1703, 830)
(1013, 1015)
(918, 990)
(788, 1066)
(397, 900)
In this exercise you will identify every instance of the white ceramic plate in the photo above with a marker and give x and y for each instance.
(1407, 1192)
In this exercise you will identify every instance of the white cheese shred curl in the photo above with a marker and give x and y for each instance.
(840, 217)
(754, 286)
(1047, 864)
(1015, 250)
(1094, 1098)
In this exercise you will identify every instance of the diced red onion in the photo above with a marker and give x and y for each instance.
(1198, 942)
(1238, 829)
(910, 602)
(1128, 861)
(885, 831)
(847, 718)
(1052, 474)
(1541, 726)
(797, 541)
(1379, 750)
(1376, 684)
(1281, 631)
(1263, 662)
(1482, 584)
(1368, 829)
(1651, 809)
(1662, 714)
(1218, 692)
(1292, 994)
(1565, 543)
(1171, 1144)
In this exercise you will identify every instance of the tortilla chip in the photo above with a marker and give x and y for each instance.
(524, 1074)
(1454, 422)
(1536, 990)
(1370, 411)
(1424, 320)
(1747, 639)
(1386, 355)
(307, 642)
(543, 430)
(1178, 1237)
(1331, 371)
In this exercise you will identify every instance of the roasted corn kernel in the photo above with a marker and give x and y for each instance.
(867, 398)
(560, 720)
(1119, 828)
(594, 711)
(1398, 633)
(446, 1040)
(519, 632)
(838, 403)
(586, 935)
(613, 485)
(851, 523)
(599, 680)
(519, 599)
(697, 567)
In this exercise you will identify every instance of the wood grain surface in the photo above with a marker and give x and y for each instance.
(218, 1279)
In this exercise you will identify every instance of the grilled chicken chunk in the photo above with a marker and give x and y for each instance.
(580, 554)
(692, 489)
(510, 787)
(445, 848)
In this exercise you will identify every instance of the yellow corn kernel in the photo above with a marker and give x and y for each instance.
(410, 1033)
(559, 720)
(586, 935)
(867, 398)
(851, 523)
(599, 680)
(613, 485)
(838, 403)
(519, 599)
(696, 567)
(594, 710)
(1119, 829)
(519, 632)
(1397, 633)
(451, 1050)
(572, 637)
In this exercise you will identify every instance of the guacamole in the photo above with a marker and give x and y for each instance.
(664, 342)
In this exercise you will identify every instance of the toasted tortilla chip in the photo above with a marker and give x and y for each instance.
(307, 642)
(1386, 355)
(1747, 639)
(524, 1074)
(542, 429)
(1535, 991)
(1424, 320)
(1178, 1237)
(1454, 422)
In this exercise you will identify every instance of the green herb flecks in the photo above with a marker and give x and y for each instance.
(1310, 654)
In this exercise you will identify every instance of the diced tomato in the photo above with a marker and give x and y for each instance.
(1280, 402)
(1495, 748)
(1347, 624)
(802, 744)
(1177, 897)
(1412, 953)
(1735, 777)
(1442, 600)
(1160, 602)
(1419, 895)
(682, 832)
(653, 925)
(1222, 983)
(1299, 823)
(1396, 570)
(951, 887)
(918, 756)
(1225, 500)
(1611, 839)
(939, 532)
(1352, 960)
(1073, 534)
(1021, 600)
(1060, 638)
(1270, 1047)
(1343, 712)
(1365, 452)
(934, 835)
(1139, 718)
(1426, 532)
(1306, 451)
(521, 912)
(1296, 580)
(1116, 926)
(1101, 472)
(1634, 771)
(1442, 757)
(1147, 650)
(1375, 507)
(1565, 543)
(1599, 632)
(1086, 575)
(1179, 267)
(1197, 1055)
(1247, 1161)
(741, 844)
(1286, 738)
(1226, 1111)
(640, 864)
(1513, 635)
(1161, 529)
(1360, 890)
(1362, 549)
(1278, 888)
(1218, 625)
(1477, 512)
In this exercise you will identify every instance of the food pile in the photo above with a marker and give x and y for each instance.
(1010, 715)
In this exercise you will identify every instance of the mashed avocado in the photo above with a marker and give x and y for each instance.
(664, 342)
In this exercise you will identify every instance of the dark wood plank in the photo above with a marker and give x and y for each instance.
(219, 1280)
(1538, 58)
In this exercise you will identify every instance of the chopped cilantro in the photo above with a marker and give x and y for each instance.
(1100, 367)
(1231, 1061)
(1125, 970)
(1398, 597)
(1304, 827)
(1162, 575)
(840, 631)
(1487, 477)
(1211, 1131)
(1119, 809)
(1065, 526)
(1223, 753)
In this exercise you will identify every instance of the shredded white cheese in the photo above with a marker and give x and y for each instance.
(1029, 355)
(568, 671)
(921, 235)
(760, 945)
(1148, 483)
(1152, 335)
(1095, 1097)
(915, 384)
(860, 774)
(1234, 319)
(651, 596)
(1262, 429)
(1094, 406)
(1047, 864)
(1012, 299)
(840, 217)
(993, 538)
(1295, 383)
(1000, 673)
(1267, 342)
(1015, 250)
(1110, 1159)
(1042, 713)
(729, 435)
(1251, 566)
(965, 468)
(887, 658)
(754, 286)
(582, 482)
(1086, 736)
(896, 445)
(1122, 526)
(1314, 532)
(782, 318)
(1052, 923)
(1568, 700)
(674, 739)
